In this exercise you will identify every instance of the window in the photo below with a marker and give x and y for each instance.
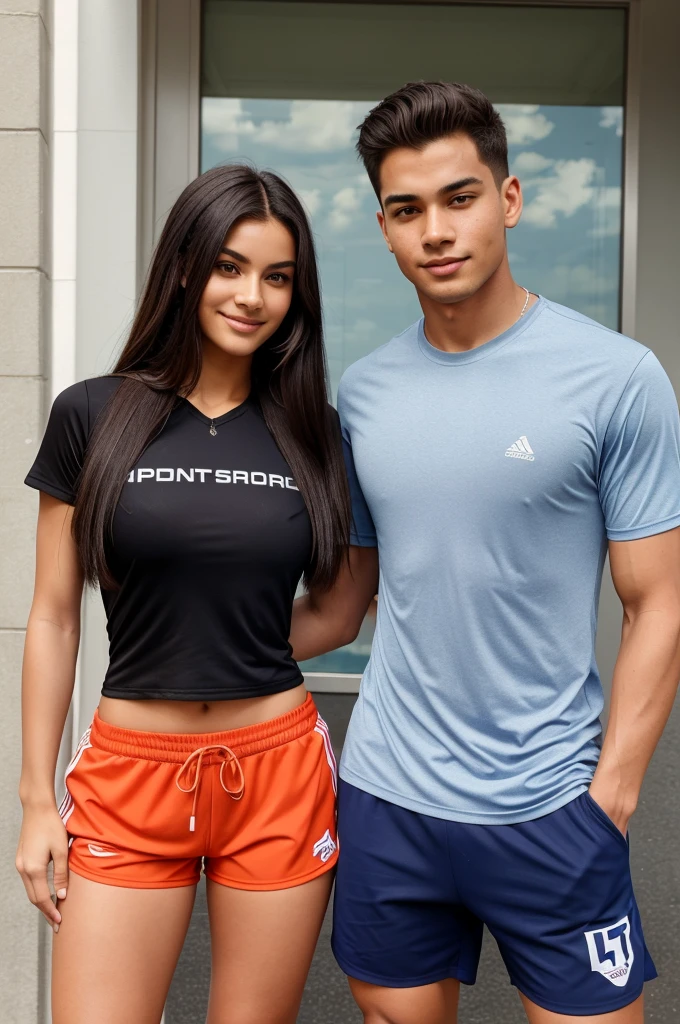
(285, 85)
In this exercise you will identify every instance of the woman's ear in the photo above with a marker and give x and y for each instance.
(183, 280)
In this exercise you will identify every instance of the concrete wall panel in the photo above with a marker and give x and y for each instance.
(23, 936)
(23, 157)
(17, 557)
(22, 294)
(20, 431)
(23, 7)
(22, 45)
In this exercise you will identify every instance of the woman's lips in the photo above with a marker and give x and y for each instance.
(241, 325)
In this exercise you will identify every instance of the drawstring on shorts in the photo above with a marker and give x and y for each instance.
(195, 761)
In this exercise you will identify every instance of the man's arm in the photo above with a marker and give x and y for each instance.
(326, 620)
(646, 574)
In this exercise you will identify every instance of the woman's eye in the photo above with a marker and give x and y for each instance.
(278, 278)
(228, 268)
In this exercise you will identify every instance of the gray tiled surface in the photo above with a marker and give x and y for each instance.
(656, 865)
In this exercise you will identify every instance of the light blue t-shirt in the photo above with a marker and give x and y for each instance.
(490, 481)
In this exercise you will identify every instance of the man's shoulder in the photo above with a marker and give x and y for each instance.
(578, 329)
(387, 357)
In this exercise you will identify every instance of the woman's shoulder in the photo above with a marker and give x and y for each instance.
(84, 400)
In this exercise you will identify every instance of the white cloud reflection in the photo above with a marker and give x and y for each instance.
(524, 123)
(565, 190)
(344, 203)
(612, 117)
(310, 127)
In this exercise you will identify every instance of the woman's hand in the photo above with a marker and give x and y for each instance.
(43, 839)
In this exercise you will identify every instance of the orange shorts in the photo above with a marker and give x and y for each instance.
(255, 806)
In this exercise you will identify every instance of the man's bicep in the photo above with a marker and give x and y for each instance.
(647, 569)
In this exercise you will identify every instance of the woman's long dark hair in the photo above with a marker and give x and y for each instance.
(162, 359)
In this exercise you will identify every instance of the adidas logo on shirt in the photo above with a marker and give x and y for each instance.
(521, 450)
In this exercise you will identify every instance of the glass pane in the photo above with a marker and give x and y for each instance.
(556, 76)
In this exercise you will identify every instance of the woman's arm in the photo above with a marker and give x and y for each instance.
(52, 638)
(324, 621)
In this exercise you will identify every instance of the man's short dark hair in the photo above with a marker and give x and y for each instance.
(422, 112)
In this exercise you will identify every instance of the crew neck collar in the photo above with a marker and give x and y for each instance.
(481, 351)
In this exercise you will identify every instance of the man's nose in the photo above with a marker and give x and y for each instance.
(438, 228)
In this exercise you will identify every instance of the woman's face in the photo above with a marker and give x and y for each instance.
(250, 289)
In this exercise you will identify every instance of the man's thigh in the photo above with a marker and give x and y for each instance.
(397, 920)
(428, 1004)
(634, 1013)
(556, 893)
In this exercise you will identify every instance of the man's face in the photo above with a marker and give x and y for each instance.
(444, 217)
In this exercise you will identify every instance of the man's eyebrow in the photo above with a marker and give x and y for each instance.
(411, 197)
(461, 183)
(244, 259)
(404, 197)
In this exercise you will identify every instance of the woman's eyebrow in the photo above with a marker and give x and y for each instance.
(235, 255)
(244, 259)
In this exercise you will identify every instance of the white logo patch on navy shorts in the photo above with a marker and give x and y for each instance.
(611, 951)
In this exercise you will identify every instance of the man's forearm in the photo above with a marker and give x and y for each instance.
(643, 690)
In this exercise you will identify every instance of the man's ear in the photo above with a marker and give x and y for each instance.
(381, 221)
(511, 197)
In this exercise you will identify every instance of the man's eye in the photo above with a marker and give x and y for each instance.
(406, 211)
(460, 200)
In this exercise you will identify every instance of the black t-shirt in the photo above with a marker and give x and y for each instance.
(210, 539)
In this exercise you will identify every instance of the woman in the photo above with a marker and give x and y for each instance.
(195, 485)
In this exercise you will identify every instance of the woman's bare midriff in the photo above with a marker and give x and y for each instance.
(198, 716)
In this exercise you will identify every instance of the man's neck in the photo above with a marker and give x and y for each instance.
(461, 326)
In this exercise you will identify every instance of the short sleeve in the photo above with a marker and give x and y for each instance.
(60, 457)
(362, 533)
(639, 481)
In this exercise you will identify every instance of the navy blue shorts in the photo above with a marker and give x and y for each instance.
(413, 892)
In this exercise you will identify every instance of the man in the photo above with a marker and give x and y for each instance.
(494, 450)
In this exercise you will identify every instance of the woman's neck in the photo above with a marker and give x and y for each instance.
(224, 383)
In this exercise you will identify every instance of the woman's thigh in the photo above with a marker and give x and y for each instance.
(116, 951)
(262, 948)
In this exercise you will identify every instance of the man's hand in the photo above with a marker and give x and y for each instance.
(616, 811)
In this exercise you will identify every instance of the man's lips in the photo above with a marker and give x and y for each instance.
(242, 323)
(445, 266)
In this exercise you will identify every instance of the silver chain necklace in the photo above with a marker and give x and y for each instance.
(526, 303)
